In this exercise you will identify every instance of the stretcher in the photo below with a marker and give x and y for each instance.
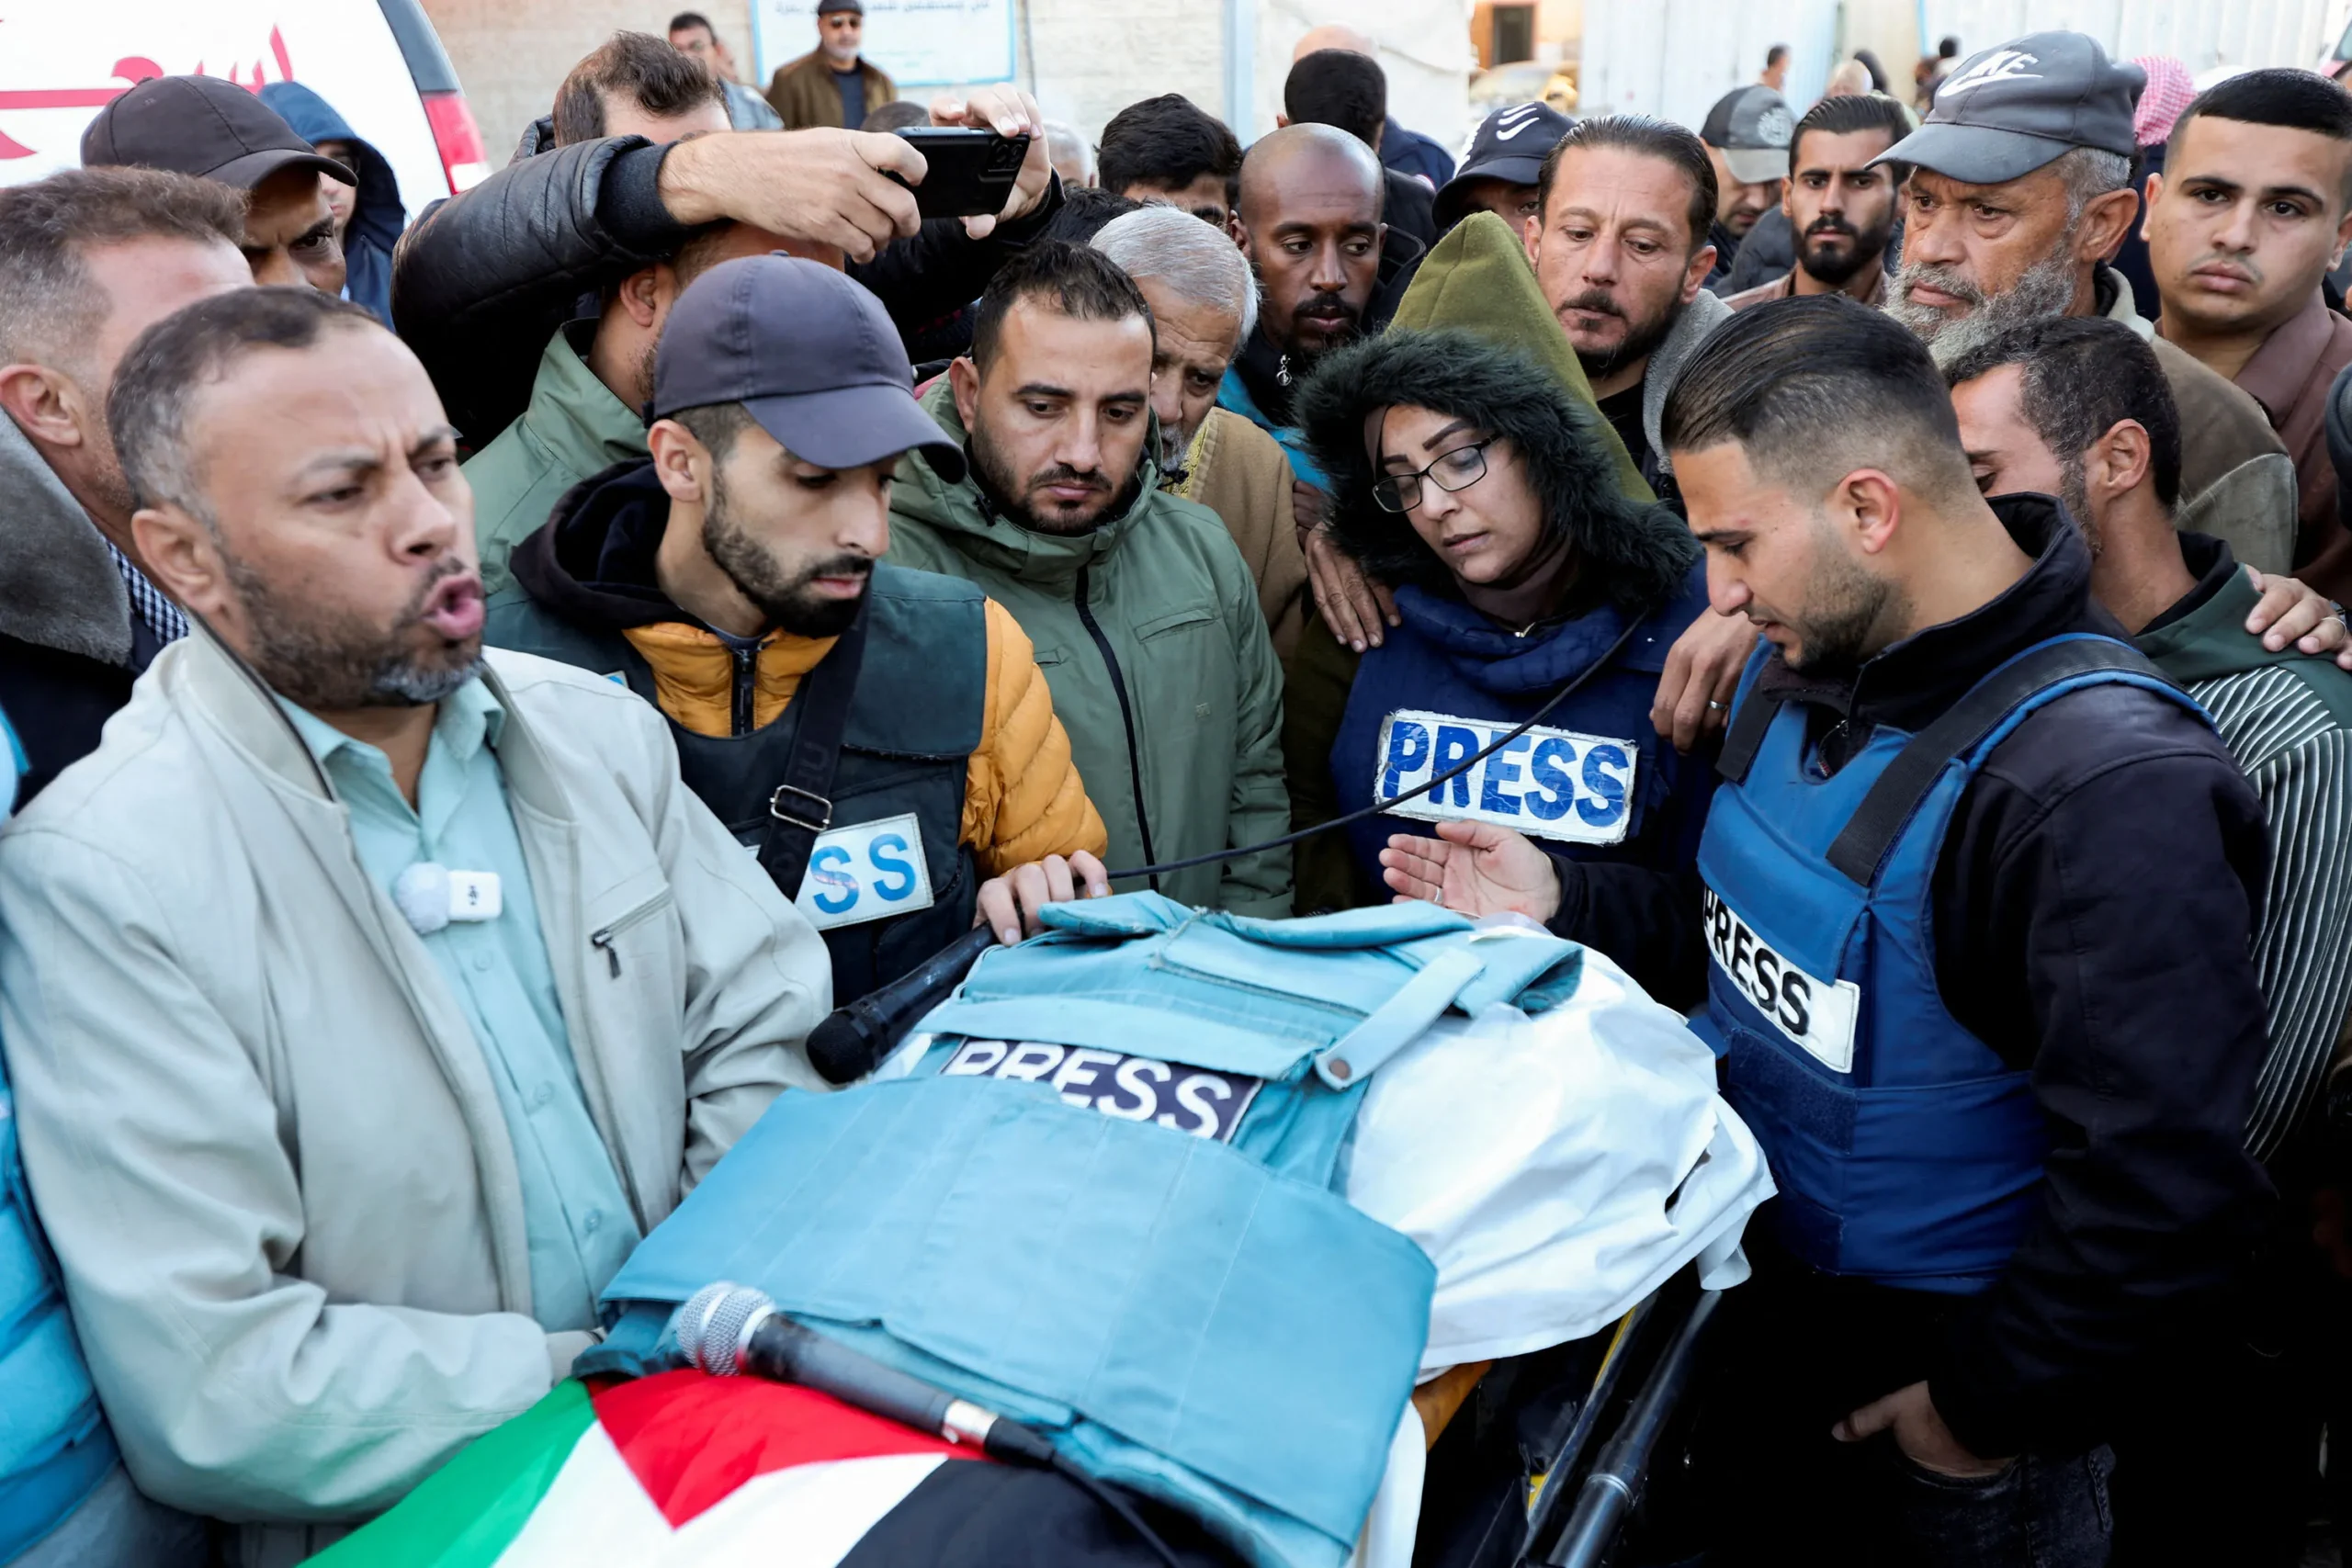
(1550, 1459)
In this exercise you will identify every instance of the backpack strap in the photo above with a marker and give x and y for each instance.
(1888, 808)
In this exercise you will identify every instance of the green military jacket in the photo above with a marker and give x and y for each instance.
(1150, 633)
(574, 429)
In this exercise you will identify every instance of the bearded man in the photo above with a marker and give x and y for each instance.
(1145, 615)
(880, 739)
(2021, 188)
(366, 997)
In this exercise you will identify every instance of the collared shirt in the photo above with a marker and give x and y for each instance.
(1785, 287)
(576, 1217)
(2290, 376)
(149, 602)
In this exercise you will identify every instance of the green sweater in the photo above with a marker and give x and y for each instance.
(2287, 717)
(1150, 634)
(574, 429)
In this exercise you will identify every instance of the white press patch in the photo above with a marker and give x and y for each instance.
(1133, 1089)
(1554, 783)
(1817, 1014)
(868, 871)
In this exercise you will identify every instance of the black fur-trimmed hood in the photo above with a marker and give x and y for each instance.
(1636, 555)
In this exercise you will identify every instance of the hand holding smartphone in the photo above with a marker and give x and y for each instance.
(968, 172)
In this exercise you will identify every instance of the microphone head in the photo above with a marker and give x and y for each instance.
(710, 1325)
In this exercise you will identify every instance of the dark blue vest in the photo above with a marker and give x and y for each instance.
(1907, 1150)
(1569, 791)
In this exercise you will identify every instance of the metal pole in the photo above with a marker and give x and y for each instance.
(1240, 65)
(1615, 1484)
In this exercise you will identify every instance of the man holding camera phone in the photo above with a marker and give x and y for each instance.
(483, 281)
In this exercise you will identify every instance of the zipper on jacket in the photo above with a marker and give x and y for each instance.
(1127, 718)
(602, 938)
(747, 680)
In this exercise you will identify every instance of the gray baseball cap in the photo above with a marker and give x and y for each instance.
(2008, 110)
(812, 356)
(1751, 127)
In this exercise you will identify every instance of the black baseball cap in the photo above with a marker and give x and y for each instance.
(812, 356)
(857, 6)
(2006, 111)
(1751, 127)
(199, 125)
(1510, 146)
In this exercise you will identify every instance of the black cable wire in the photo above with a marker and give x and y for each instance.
(1377, 807)
(1119, 1505)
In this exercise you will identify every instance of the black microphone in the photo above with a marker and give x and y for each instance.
(851, 1042)
(730, 1330)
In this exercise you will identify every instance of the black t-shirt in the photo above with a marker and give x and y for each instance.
(1623, 410)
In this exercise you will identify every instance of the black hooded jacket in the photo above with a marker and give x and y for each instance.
(1266, 370)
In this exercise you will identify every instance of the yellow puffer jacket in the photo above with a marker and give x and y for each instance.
(1022, 798)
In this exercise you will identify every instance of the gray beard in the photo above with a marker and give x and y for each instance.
(2046, 290)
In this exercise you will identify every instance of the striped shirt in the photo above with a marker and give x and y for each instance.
(2298, 757)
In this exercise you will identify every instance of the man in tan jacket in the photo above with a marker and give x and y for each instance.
(366, 996)
(1203, 304)
(832, 84)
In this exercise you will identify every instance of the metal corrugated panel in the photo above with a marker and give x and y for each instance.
(1675, 57)
(2202, 34)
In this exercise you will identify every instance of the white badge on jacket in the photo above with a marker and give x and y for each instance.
(1133, 1089)
(1816, 1015)
(867, 871)
(1554, 783)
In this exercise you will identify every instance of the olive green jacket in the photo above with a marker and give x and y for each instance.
(574, 429)
(1151, 635)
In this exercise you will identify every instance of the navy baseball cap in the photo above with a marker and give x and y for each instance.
(199, 125)
(2006, 111)
(1510, 146)
(812, 356)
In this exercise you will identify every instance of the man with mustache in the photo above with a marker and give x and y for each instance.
(880, 739)
(1747, 135)
(1839, 201)
(1144, 617)
(366, 996)
(1620, 245)
(2021, 187)
(2255, 201)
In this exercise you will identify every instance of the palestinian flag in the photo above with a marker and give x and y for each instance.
(685, 1471)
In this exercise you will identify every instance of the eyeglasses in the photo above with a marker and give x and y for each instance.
(1457, 469)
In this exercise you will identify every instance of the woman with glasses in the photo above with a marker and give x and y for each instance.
(1468, 478)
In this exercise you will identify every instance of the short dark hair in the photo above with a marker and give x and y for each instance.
(1852, 112)
(1166, 143)
(645, 69)
(896, 115)
(2294, 100)
(147, 408)
(1774, 55)
(1949, 48)
(50, 307)
(1083, 212)
(1651, 137)
(716, 425)
(685, 19)
(1339, 87)
(1082, 283)
(2082, 375)
(1817, 387)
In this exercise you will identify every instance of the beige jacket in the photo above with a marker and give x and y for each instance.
(1239, 471)
(262, 1136)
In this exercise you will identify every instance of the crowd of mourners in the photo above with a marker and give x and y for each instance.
(481, 691)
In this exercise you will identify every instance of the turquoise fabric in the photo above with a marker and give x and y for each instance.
(575, 1215)
(54, 1445)
(1211, 1323)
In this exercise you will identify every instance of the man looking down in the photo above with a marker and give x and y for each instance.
(364, 996)
(1143, 615)
(881, 739)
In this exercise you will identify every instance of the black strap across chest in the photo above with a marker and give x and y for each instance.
(1860, 848)
(801, 805)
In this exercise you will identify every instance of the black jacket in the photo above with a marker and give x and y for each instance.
(484, 280)
(70, 646)
(2094, 903)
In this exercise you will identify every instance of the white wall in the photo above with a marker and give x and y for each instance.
(2203, 34)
